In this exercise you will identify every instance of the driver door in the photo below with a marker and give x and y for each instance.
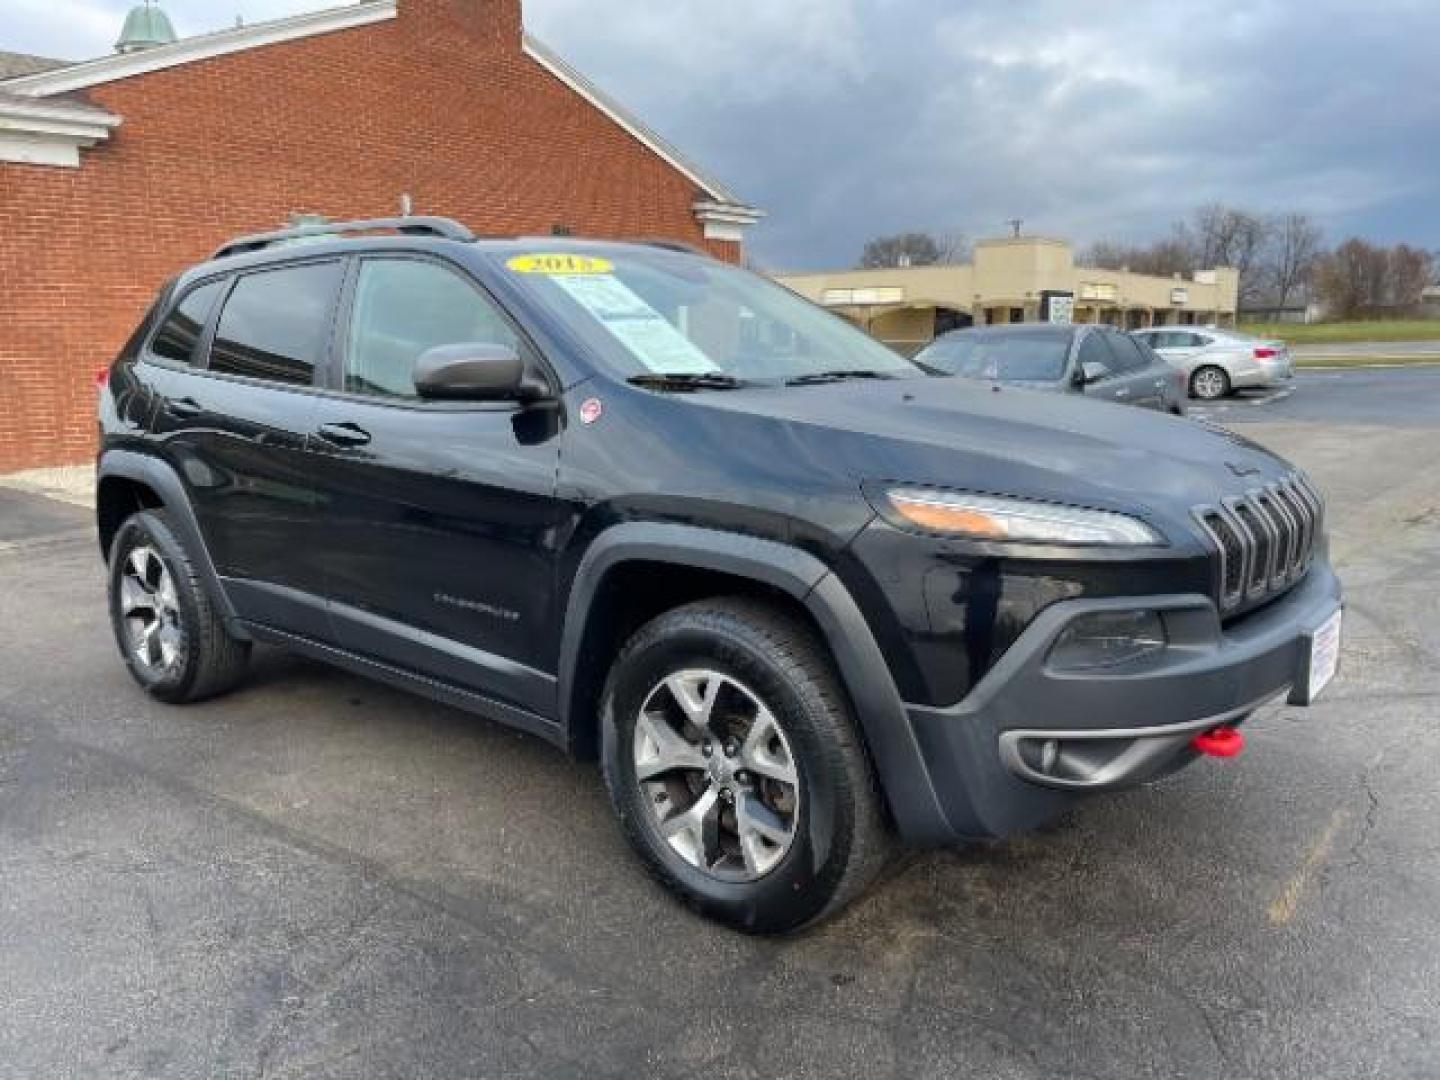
(1142, 379)
(442, 517)
(1096, 356)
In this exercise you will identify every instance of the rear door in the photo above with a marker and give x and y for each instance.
(441, 517)
(233, 418)
(1176, 346)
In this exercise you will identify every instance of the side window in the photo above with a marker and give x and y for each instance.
(1162, 339)
(180, 333)
(275, 323)
(1094, 351)
(1197, 341)
(1128, 354)
(404, 307)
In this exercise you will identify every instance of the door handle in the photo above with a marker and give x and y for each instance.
(343, 434)
(183, 408)
(1122, 392)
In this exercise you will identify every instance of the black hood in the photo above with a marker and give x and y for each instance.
(981, 437)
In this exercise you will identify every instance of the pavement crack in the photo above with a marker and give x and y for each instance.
(1372, 816)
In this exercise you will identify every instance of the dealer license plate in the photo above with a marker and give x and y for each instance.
(1324, 654)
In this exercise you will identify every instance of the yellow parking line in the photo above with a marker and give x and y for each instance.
(1283, 907)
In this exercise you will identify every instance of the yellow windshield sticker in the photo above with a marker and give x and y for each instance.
(559, 264)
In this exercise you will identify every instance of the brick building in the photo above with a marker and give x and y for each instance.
(117, 172)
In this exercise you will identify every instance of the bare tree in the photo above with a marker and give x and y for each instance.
(1226, 236)
(1290, 259)
(954, 247)
(1173, 255)
(1410, 271)
(1361, 279)
(902, 249)
(1353, 278)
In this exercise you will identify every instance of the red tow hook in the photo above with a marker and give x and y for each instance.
(1219, 742)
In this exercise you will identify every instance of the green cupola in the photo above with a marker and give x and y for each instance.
(145, 27)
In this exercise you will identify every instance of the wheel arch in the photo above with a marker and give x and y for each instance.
(725, 563)
(128, 481)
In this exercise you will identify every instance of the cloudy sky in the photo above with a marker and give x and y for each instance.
(848, 118)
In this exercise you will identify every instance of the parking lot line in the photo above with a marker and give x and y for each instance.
(1287, 901)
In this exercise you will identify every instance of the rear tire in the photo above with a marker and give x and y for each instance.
(787, 824)
(170, 634)
(1209, 383)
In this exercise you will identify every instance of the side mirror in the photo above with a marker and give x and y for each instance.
(1089, 372)
(474, 372)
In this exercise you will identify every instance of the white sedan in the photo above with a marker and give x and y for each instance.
(1216, 362)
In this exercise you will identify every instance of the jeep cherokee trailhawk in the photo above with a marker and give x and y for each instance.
(801, 600)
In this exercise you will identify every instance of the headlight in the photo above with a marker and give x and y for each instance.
(987, 517)
(1106, 638)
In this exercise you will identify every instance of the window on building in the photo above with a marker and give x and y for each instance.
(404, 307)
(275, 323)
(180, 333)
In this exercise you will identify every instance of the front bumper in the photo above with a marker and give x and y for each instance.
(1028, 740)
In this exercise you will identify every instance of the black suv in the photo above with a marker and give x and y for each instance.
(800, 598)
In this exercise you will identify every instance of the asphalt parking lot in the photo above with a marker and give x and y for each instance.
(1401, 396)
(319, 877)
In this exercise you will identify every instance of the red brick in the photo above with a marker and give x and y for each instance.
(440, 103)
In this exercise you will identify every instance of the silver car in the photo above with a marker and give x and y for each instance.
(1217, 362)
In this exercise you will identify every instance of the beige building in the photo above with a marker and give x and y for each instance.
(1021, 279)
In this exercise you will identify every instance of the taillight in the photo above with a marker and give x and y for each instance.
(102, 377)
(1264, 353)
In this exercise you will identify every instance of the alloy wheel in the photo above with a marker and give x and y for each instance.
(1209, 384)
(150, 609)
(718, 775)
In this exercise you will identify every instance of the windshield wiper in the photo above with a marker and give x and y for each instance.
(678, 380)
(837, 375)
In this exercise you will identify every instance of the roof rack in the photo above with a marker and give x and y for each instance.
(409, 226)
(672, 245)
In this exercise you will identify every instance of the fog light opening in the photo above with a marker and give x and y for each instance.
(1104, 639)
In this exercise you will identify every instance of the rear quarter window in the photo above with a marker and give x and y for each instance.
(180, 332)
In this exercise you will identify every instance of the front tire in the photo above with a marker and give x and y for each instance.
(734, 765)
(1209, 383)
(170, 634)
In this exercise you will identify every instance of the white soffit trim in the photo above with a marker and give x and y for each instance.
(546, 58)
(201, 47)
(726, 221)
(50, 133)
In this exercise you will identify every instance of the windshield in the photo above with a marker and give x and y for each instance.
(1010, 357)
(660, 312)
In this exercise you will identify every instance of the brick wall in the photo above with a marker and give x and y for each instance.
(440, 102)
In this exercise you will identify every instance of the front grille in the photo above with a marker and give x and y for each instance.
(1264, 540)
